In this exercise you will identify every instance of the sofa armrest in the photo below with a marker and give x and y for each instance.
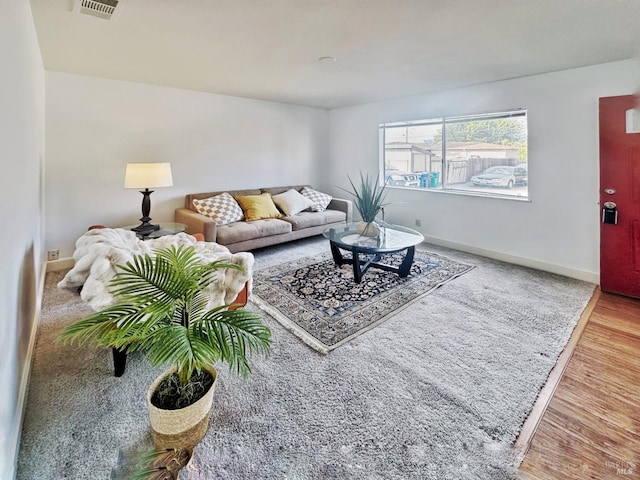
(197, 223)
(342, 205)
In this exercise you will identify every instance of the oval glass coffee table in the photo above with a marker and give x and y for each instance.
(391, 239)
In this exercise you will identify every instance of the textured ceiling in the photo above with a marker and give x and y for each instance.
(269, 49)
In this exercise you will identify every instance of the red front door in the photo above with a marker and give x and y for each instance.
(619, 185)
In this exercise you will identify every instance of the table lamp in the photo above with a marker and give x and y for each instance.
(147, 175)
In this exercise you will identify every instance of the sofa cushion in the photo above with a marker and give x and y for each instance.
(320, 200)
(257, 207)
(313, 219)
(223, 208)
(188, 199)
(241, 231)
(291, 202)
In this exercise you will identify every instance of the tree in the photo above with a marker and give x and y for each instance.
(501, 131)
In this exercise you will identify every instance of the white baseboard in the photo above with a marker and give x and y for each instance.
(61, 264)
(592, 277)
(26, 371)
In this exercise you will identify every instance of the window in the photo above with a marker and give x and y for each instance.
(475, 154)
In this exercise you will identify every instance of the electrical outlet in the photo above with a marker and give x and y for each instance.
(418, 222)
(53, 255)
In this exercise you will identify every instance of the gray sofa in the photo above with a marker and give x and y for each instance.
(243, 236)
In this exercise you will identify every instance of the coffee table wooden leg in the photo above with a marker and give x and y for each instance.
(357, 268)
(337, 255)
(405, 266)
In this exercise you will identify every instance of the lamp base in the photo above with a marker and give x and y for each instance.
(145, 228)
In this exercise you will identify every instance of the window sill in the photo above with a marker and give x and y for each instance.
(465, 193)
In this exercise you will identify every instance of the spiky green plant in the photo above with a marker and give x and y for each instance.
(369, 197)
(161, 309)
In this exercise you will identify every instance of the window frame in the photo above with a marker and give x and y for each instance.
(443, 182)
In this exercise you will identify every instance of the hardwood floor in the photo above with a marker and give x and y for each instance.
(591, 427)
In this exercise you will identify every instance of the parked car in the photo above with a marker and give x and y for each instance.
(502, 176)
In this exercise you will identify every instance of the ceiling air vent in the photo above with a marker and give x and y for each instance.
(98, 8)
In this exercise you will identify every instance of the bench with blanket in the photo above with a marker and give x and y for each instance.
(99, 251)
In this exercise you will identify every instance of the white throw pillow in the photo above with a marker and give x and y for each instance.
(291, 202)
(223, 208)
(320, 200)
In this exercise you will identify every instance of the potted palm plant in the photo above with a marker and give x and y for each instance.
(162, 308)
(369, 200)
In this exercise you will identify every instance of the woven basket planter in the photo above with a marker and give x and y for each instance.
(185, 427)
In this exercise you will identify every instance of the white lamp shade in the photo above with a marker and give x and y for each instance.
(148, 175)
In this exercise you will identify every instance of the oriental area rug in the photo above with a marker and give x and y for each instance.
(321, 304)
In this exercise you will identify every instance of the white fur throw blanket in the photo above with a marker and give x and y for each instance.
(99, 251)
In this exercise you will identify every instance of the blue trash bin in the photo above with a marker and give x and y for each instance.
(435, 179)
(425, 180)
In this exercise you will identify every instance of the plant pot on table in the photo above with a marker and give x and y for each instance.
(368, 229)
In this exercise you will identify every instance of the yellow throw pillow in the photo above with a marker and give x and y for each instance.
(256, 207)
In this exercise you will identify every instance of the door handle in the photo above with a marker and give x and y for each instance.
(610, 213)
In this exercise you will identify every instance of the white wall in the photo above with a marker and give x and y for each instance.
(21, 154)
(96, 126)
(558, 230)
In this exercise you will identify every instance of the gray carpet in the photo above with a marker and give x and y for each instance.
(437, 392)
